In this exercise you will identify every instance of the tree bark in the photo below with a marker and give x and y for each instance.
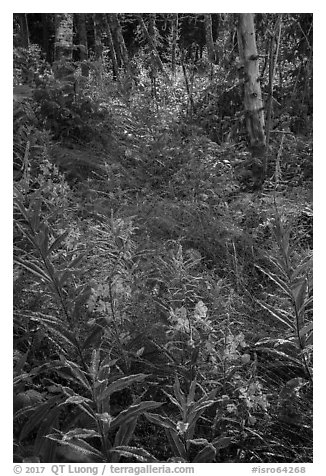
(115, 65)
(253, 102)
(63, 36)
(151, 44)
(45, 37)
(190, 105)
(24, 29)
(113, 29)
(209, 38)
(97, 18)
(276, 37)
(152, 28)
(83, 44)
(174, 32)
(120, 46)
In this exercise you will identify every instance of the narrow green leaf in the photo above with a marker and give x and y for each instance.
(179, 393)
(209, 396)
(306, 329)
(206, 397)
(123, 436)
(173, 400)
(34, 269)
(222, 442)
(38, 415)
(19, 204)
(192, 390)
(76, 261)
(206, 455)
(282, 319)
(78, 373)
(201, 406)
(122, 383)
(279, 265)
(308, 301)
(302, 268)
(95, 362)
(47, 425)
(82, 294)
(20, 378)
(199, 441)
(105, 368)
(50, 268)
(310, 339)
(133, 411)
(57, 327)
(34, 212)
(76, 400)
(125, 433)
(81, 449)
(160, 420)
(88, 410)
(299, 291)
(176, 444)
(30, 238)
(57, 242)
(93, 335)
(281, 355)
(21, 363)
(280, 283)
(43, 238)
(194, 416)
(138, 453)
(98, 388)
(80, 433)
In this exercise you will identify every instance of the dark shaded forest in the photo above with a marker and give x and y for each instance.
(162, 228)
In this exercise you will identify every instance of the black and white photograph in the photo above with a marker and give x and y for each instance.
(162, 241)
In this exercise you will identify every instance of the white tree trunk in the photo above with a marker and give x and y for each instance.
(253, 102)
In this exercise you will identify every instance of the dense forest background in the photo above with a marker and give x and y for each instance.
(163, 237)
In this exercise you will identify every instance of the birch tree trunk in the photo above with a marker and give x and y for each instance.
(275, 39)
(253, 103)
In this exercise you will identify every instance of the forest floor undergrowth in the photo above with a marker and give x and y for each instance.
(162, 300)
